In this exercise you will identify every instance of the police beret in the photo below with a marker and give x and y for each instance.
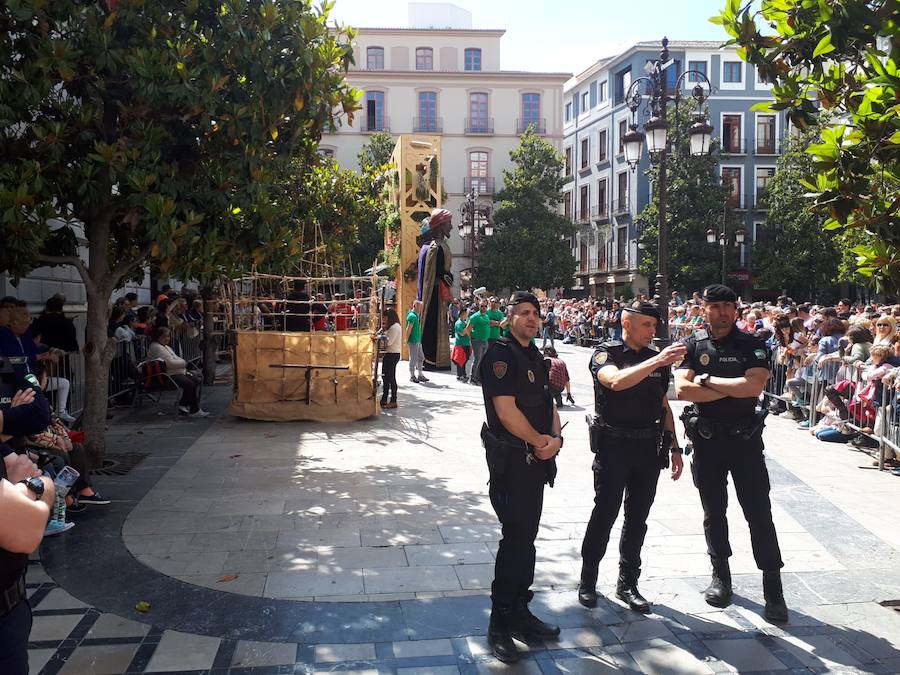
(524, 296)
(719, 293)
(642, 307)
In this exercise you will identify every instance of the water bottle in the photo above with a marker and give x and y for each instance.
(64, 481)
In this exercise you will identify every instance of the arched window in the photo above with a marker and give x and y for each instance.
(375, 58)
(427, 120)
(478, 172)
(424, 58)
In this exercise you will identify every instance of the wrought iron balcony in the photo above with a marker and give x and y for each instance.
(428, 125)
(540, 125)
(371, 124)
(479, 125)
(620, 206)
(484, 185)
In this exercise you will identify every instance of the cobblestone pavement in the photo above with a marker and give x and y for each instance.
(271, 548)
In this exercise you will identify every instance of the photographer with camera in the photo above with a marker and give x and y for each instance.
(26, 500)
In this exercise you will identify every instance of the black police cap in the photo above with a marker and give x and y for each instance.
(642, 307)
(524, 296)
(719, 293)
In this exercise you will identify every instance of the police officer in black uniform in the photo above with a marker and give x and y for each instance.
(521, 439)
(632, 435)
(25, 502)
(723, 373)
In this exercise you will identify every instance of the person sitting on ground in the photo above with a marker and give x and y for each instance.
(177, 368)
(559, 377)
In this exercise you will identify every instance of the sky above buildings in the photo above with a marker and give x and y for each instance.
(564, 35)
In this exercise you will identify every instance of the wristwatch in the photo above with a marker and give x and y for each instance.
(559, 436)
(675, 449)
(704, 379)
(35, 485)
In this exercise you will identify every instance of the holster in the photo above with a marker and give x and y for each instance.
(690, 417)
(662, 451)
(595, 432)
(498, 451)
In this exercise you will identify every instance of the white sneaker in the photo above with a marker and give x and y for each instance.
(65, 417)
(184, 410)
(200, 413)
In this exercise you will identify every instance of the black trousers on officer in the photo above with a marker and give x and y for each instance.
(628, 467)
(15, 627)
(517, 498)
(713, 460)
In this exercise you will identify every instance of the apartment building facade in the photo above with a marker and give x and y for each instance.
(447, 81)
(603, 195)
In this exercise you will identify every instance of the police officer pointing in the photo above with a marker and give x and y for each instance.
(632, 434)
(521, 439)
(723, 374)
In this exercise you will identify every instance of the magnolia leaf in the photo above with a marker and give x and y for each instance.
(824, 46)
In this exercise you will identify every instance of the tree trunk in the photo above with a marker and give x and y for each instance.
(210, 344)
(98, 353)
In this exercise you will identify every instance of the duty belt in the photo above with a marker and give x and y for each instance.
(12, 596)
(625, 432)
(708, 428)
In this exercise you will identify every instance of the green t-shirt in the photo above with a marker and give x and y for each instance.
(461, 340)
(481, 326)
(415, 335)
(495, 315)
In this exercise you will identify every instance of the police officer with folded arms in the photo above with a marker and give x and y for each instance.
(723, 374)
(26, 499)
(521, 439)
(632, 436)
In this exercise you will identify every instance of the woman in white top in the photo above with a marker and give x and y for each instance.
(177, 369)
(394, 335)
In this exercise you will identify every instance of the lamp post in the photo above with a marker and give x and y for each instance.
(657, 137)
(712, 236)
(475, 223)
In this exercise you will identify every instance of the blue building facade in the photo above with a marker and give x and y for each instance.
(602, 194)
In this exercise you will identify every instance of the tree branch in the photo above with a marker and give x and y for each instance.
(72, 260)
(126, 266)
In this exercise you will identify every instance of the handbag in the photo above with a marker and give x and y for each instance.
(458, 356)
(54, 437)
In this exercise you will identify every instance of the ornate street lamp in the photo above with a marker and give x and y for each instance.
(475, 223)
(714, 236)
(656, 134)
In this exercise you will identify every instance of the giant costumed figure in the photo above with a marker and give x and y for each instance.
(435, 282)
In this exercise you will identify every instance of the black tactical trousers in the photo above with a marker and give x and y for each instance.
(713, 460)
(15, 626)
(629, 467)
(517, 498)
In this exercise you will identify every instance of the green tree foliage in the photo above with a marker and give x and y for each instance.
(530, 246)
(374, 159)
(841, 58)
(695, 203)
(158, 130)
(794, 253)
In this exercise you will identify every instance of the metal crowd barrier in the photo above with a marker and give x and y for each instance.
(123, 370)
(882, 427)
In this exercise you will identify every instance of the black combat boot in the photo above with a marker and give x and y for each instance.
(627, 591)
(587, 586)
(719, 592)
(499, 635)
(776, 609)
(523, 622)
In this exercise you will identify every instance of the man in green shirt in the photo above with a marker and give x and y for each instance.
(463, 341)
(479, 327)
(414, 342)
(496, 315)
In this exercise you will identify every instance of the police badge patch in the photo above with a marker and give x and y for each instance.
(759, 353)
(500, 369)
(704, 359)
(600, 358)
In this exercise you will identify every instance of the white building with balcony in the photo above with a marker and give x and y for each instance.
(447, 81)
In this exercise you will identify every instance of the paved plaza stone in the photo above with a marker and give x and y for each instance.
(369, 547)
